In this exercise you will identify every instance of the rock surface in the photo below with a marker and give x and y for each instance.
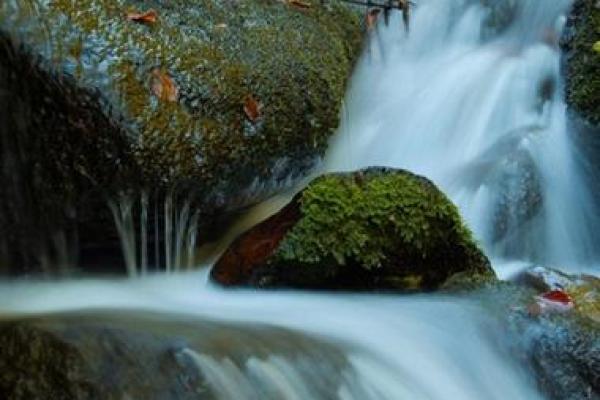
(373, 229)
(582, 60)
(95, 101)
(561, 345)
(108, 355)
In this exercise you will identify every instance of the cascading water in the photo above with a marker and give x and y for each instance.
(472, 99)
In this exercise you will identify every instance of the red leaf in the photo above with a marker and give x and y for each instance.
(252, 108)
(558, 296)
(149, 17)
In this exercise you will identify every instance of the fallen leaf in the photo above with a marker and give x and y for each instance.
(252, 108)
(149, 17)
(164, 87)
(558, 296)
(221, 26)
(372, 16)
(299, 4)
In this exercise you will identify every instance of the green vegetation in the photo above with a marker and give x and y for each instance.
(391, 222)
(583, 61)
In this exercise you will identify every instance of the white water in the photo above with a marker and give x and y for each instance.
(443, 103)
(397, 348)
(481, 119)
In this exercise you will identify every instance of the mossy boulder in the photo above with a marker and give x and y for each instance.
(213, 100)
(375, 229)
(582, 60)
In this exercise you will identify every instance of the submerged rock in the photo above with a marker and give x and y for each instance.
(209, 98)
(110, 355)
(373, 229)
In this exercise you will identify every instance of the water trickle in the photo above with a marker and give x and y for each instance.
(178, 232)
(478, 109)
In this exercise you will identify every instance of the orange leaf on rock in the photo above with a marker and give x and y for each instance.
(149, 17)
(164, 87)
(299, 4)
(252, 108)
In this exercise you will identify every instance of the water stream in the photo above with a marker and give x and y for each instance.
(480, 111)
(477, 108)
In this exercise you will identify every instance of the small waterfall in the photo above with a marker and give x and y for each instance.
(178, 232)
(372, 347)
(474, 101)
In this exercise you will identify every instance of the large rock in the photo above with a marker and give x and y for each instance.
(211, 101)
(108, 355)
(373, 229)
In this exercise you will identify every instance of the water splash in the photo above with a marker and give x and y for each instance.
(481, 112)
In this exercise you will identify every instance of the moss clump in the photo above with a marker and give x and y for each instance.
(367, 216)
(583, 60)
(374, 229)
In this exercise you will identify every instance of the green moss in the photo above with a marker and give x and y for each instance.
(583, 66)
(382, 220)
(344, 219)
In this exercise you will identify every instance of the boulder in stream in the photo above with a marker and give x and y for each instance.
(375, 229)
(219, 100)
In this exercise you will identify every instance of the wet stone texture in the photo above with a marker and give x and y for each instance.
(221, 100)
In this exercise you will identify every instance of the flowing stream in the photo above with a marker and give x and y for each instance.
(475, 103)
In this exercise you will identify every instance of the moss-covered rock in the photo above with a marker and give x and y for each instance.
(373, 229)
(86, 111)
(582, 61)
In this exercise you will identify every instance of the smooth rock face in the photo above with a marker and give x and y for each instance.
(373, 229)
(211, 99)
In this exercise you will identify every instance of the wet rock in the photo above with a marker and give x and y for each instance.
(561, 346)
(376, 229)
(108, 355)
(581, 61)
(94, 103)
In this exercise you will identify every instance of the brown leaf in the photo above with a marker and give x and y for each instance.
(299, 4)
(252, 108)
(372, 16)
(164, 87)
(149, 17)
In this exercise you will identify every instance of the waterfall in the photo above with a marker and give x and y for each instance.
(475, 103)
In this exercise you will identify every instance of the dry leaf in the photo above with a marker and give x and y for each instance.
(299, 4)
(164, 87)
(372, 16)
(221, 26)
(149, 17)
(252, 108)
